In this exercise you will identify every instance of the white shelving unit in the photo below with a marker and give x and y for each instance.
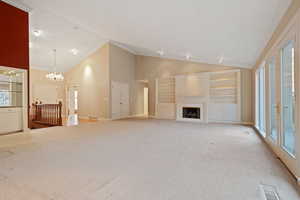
(165, 98)
(218, 94)
(225, 96)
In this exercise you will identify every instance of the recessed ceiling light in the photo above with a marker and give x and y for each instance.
(74, 51)
(188, 56)
(161, 52)
(37, 33)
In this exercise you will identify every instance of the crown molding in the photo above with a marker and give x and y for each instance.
(18, 4)
(123, 47)
(199, 61)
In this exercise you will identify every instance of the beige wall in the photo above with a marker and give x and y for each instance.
(122, 69)
(94, 74)
(150, 68)
(92, 78)
(38, 79)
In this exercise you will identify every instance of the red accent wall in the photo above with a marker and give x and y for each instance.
(14, 37)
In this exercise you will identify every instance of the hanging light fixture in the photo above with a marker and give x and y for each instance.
(55, 76)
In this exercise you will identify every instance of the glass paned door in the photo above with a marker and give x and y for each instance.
(261, 100)
(273, 100)
(288, 98)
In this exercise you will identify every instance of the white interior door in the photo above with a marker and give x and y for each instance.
(120, 100)
(124, 100)
(115, 103)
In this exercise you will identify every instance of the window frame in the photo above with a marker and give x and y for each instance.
(261, 98)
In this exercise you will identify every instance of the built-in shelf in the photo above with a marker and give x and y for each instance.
(224, 87)
(11, 82)
(10, 91)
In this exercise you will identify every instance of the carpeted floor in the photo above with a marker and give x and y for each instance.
(140, 160)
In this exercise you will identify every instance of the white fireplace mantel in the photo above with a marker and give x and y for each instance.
(179, 114)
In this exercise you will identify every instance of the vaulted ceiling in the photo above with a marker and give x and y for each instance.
(232, 32)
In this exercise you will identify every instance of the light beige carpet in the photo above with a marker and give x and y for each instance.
(140, 160)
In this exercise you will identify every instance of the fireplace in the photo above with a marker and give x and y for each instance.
(191, 112)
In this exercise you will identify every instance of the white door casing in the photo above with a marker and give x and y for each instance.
(71, 101)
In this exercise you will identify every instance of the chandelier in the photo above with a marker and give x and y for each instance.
(55, 76)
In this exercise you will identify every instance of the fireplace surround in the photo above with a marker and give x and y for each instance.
(190, 112)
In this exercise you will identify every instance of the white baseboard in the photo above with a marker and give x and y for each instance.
(232, 122)
(138, 115)
(152, 116)
(83, 117)
(104, 119)
(211, 122)
(98, 119)
(132, 116)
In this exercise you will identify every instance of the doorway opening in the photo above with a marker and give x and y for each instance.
(72, 111)
(146, 94)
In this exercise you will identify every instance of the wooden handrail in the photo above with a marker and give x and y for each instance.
(47, 114)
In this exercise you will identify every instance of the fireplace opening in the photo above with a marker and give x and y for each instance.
(191, 112)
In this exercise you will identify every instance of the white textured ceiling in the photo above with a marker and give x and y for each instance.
(62, 35)
(237, 30)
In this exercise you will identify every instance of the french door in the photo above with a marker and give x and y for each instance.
(282, 101)
(260, 101)
(273, 100)
(288, 97)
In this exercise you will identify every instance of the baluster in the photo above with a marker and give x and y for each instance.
(60, 118)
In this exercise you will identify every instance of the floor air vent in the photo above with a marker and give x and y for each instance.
(269, 192)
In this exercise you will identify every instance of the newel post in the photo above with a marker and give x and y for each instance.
(60, 112)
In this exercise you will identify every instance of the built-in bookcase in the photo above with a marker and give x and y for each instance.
(166, 90)
(225, 87)
(225, 96)
(218, 94)
(165, 98)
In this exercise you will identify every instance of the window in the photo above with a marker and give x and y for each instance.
(288, 98)
(4, 94)
(260, 100)
(10, 91)
(4, 99)
(273, 100)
